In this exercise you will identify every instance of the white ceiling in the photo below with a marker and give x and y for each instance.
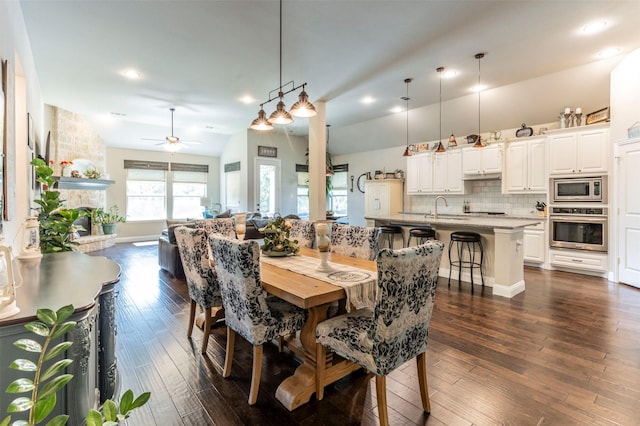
(202, 56)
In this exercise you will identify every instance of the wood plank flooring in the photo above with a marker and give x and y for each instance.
(564, 352)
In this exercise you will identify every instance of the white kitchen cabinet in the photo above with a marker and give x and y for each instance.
(447, 172)
(420, 174)
(579, 151)
(525, 166)
(478, 163)
(579, 261)
(535, 243)
(383, 197)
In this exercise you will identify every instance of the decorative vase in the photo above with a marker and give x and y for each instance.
(109, 228)
(323, 242)
(66, 171)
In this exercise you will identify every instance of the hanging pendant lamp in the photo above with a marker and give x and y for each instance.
(440, 147)
(303, 108)
(261, 123)
(407, 151)
(479, 143)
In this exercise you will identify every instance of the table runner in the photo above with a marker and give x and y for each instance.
(360, 285)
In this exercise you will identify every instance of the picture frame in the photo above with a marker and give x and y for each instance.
(267, 151)
(598, 116)
(421, 147)
(30, 132)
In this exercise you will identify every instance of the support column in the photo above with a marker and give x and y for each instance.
(318, 163)
(509, 262)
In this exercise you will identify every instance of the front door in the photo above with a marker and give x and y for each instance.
(267, 186)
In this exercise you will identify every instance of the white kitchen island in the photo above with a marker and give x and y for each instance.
(503, 265)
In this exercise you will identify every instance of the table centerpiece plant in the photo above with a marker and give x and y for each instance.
(276, 238)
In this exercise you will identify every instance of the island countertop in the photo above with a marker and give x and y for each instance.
(467, 220)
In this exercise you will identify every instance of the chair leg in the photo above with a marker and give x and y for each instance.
(255, 374)
(321, 355)
(228, 359)
(192, 317)
(450, 265)
(422, 379)
(381, 393)
(208, 322)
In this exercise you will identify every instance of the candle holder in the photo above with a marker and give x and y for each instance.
(323, 243)
(578, 118)
(241, 225)
(566, 119)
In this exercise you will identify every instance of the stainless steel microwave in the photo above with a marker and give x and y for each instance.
(579, 189)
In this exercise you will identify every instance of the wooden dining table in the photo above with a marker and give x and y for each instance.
(316, 296)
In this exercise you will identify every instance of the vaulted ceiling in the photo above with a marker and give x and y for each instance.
(201, 57)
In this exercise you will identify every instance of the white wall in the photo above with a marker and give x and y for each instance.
(625, 94)
(116, 194)
(235, 150)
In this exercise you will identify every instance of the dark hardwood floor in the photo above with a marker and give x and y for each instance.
(566, 351)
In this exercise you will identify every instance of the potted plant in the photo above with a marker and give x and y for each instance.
(109, 218)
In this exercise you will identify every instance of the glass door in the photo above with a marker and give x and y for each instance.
(267, 186)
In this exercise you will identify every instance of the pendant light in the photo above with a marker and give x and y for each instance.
(479, 143)
(407, 151)
(440, 147)
(329, 169)
(302, 108)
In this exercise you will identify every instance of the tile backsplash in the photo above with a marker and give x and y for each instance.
(483, 196)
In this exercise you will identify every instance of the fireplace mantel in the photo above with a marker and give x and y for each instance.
(82, 183)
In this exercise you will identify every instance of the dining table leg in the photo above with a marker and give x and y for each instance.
(297, 389)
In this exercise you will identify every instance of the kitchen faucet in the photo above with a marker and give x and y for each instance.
(435, 216)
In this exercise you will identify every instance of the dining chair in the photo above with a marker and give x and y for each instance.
(355, 241)
(396, 329)
(223, 226)
(303, 231)
(248, 310)
(202, 280)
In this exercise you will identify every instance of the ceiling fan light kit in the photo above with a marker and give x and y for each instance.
(302, 108)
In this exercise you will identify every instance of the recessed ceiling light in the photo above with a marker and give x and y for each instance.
(119, 114)
(368, 100)
(209, 127)
(449, 73)
(479, 88)
(397, 109)
(132, 74)
(608, 52)
(247, 99)
(594, 27)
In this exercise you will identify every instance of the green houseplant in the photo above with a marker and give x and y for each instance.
(56, 221)
(108, 218)
(276, 238)
(46, 383)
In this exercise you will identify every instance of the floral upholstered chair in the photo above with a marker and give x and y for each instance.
(202, 280)
(223, 226)
(303, 231)
(248, 310)
(396, 330)
(355, 241)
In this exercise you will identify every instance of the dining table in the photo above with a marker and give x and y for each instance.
(316, 295)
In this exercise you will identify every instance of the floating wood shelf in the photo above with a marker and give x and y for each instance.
(82, 183)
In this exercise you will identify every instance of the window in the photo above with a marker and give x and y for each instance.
(337, 200)
(153, 191)
(302, 193)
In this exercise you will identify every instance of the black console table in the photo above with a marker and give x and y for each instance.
(87, 282)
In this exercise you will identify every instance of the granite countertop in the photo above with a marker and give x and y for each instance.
(468, 220)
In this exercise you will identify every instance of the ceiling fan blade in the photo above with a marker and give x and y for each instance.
(191, 142)
(155, 140)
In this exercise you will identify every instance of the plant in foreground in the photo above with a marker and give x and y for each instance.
(46, 382)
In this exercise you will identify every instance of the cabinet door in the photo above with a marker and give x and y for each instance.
(413, 174)
(534, 245)
(491, 159)
(592, 151)
(371, 199)
(454, 171)
(562, 153)
(516, 167)
(384, 198)
(536, 164)
(440, 172)
(472, 161)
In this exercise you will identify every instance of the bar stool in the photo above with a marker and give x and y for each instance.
(421, 235)
(469, 240)
(388, 234)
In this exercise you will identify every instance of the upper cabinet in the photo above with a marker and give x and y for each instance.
(447, 172)
(482, 163)
(525, 166)
(584, 150)
(420, 174)
(383, 198)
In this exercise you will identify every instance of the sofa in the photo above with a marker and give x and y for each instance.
(168, 255)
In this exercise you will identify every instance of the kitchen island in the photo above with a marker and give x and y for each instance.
(503, 266)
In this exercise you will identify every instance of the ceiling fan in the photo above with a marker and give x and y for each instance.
(173, 143)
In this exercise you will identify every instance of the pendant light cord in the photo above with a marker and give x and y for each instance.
(281, 49)
(406, 99)
(479, 56)
(440, 69)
